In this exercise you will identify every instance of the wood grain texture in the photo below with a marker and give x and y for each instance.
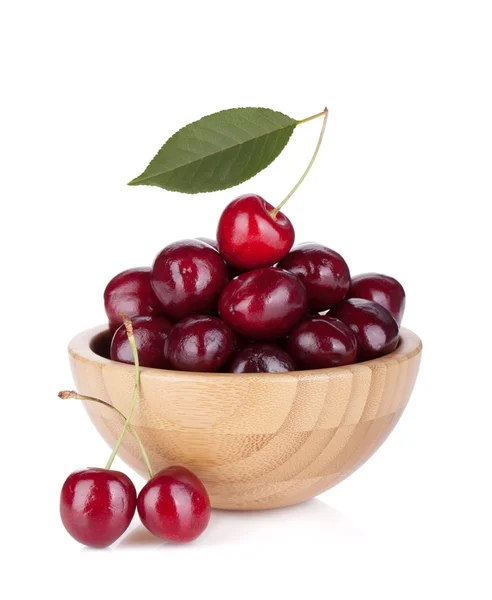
(256, 440)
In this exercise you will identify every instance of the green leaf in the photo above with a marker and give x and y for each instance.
(219, 151)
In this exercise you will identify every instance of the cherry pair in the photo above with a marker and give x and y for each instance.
(98, 505)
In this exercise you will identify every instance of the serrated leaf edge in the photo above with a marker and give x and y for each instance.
(140, 179)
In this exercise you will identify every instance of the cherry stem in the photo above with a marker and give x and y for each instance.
(276, 210)
(136, 390)
(70, 394)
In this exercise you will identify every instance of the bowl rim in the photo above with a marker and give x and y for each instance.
(80, 348)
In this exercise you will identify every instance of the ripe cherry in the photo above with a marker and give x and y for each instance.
(97, 506)
(322, 270)
(382, 289)
(174, 505)
(199, 343)
(322, 342)
(150, 334)
(261, 358)
(264, 304)
(130, 293)
(374, 327)
(188, 277)
(249, 236)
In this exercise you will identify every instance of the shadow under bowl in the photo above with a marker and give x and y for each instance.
(256, 440)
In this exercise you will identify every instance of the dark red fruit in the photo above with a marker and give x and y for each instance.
(97, 505)
(264, 304)
(150, 334)
(188, 277)
(261, 358)
(323, 271)
(174, 505)
(381, 289)
(374, 327)
(322, 342)
(249, 237)
(130, 293)
(200, 343)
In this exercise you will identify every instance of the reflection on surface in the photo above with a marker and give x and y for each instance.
(308, 521)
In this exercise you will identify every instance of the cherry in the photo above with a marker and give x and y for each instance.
(322, 342)
(174, 505)
(97, 506)
(263, 304)
(188, 277)
(374, 327)
(199, 343)
(130, 293)
(252, 233)
(249, 236)
(150, 335)
(323, 271)
(261, 358)
(381, 289)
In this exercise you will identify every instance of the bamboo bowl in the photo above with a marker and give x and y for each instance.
(257, 441)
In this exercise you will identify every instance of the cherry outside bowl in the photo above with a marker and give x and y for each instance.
(257, 440)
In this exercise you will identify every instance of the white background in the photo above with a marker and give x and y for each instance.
(402, 185)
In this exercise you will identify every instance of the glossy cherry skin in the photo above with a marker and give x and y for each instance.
(188, 277)
(382, 289)
(174, 505)
(261, 358)
(321, 342)
(97, 506)
(130, 293)
(322, 270)
(150, 334)
(199, 343)
(264, 304)
(249, 237)
(374, 327)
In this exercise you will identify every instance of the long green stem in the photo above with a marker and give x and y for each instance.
(276, 210)
(67, 394)
(136, 391)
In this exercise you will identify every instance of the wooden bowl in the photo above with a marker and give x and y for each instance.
(256, 440)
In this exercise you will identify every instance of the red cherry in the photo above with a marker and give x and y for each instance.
(188, 277)
(264, 304)
(199, 343)
(150, 334)
(97, 506)
(381, 289)
(261, 358)
(374, 327)
(249, 236)
(174, 505)
(130, 293)
(322, 270)
(322, 342)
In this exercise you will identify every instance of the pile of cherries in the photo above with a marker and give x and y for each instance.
(249, 303)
